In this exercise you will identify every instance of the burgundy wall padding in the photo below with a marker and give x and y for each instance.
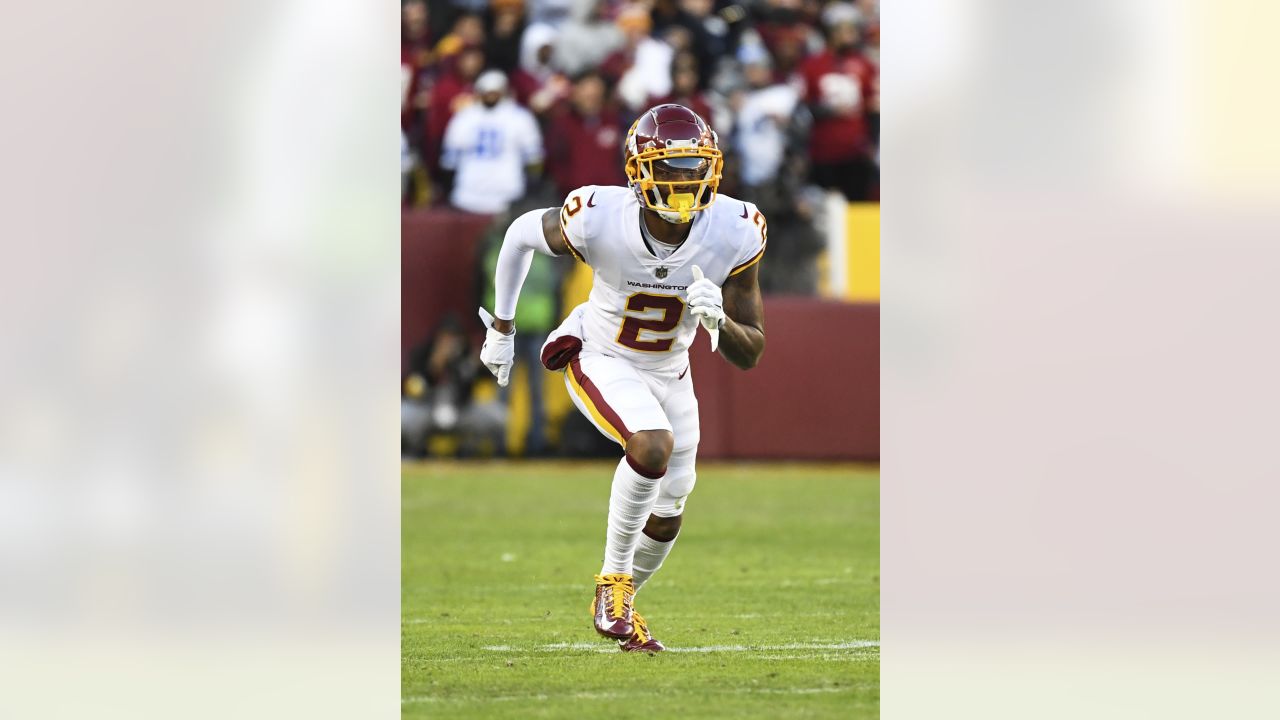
(437, 271)
(814, 395)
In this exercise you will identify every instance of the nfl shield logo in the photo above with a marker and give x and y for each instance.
(661, 273)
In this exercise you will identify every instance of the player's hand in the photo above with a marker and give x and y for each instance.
(706, 303)
(499, 350)
(705, 300)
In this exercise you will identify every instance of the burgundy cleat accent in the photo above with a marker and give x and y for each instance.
(641, 640)
(612, 606)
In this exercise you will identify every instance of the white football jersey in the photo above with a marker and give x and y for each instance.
(489, 148)
(637, 305)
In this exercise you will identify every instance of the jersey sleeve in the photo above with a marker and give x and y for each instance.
(573, 223)
(754, 239)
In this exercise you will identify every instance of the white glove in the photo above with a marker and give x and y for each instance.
(707, 304)
(499, 350)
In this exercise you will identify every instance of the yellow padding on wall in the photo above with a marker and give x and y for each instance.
(862, 252)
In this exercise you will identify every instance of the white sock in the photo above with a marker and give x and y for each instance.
(648, 557)
(630, 501)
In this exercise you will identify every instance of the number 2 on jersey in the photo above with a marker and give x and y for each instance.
(672, 309)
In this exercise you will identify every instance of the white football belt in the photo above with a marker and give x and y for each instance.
(707, 322)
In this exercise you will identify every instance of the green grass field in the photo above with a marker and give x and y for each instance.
(769, 603)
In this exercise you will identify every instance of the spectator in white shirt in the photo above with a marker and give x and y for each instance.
(764, 118)
(646, 63)
(488, 148)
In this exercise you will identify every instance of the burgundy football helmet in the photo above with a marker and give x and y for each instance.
(673, 162)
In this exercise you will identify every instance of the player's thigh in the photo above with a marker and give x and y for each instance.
(681, 407)
(611, 393)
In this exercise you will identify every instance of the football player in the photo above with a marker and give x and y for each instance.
(668, 254)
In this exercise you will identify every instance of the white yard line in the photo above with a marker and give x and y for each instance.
(781, 615)
(693, 616)
(864, 653)
(603, 648)
(570, 646)
(582, 695)
(788, 646)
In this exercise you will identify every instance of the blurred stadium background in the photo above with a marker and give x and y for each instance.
(791, 87)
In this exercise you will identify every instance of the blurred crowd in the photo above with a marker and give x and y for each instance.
(790, 86)
(508, 105)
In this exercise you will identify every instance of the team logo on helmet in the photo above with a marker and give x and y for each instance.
(673, 162)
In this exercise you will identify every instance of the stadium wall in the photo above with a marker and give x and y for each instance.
(815, 394)
(438, 251)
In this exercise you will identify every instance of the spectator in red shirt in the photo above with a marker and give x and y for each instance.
(784, 28)
(684, 86)
(789, 48)
(839, 86)
(415, 33)
(467, 30)
(456, 68)
(538, 84)
(642, 67)
(415, 60)
(452, 92)
(584, 137)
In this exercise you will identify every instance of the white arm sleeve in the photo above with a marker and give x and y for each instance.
(523, 237)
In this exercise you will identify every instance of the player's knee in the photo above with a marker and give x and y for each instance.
(663, 529)
(651, 449)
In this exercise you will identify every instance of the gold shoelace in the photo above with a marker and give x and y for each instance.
(642, 627)
(618, 590)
